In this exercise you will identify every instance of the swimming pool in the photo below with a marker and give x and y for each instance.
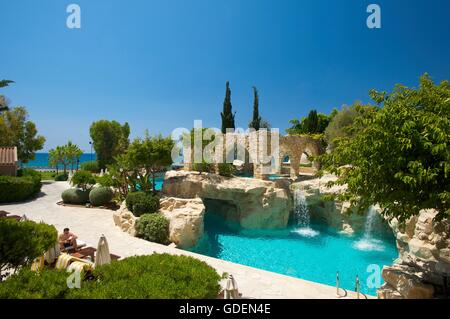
(314, 255)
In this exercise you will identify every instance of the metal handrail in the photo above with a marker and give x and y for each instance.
(337, 283)
(357, 287)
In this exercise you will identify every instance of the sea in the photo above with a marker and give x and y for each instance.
(41, 161)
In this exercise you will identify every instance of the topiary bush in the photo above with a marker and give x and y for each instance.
(24, 186)
(158, 276)
(27, 284)
(226, 169)
(100, 196)
(92, 167)
(75, 196)
(140, 203)
(153, 227)
(61, 177)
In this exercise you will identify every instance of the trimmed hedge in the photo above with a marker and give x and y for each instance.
(158, 276)
(20, 188)
(27, 284)
(92, 167)
(140, 203)
(75, 196)
(153, 227)
(61, 177)
(100, 196)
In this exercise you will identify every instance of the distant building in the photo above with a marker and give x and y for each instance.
(8, 161)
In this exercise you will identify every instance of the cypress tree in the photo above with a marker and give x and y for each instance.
(256, 121)
(227, 114)
(312, 122)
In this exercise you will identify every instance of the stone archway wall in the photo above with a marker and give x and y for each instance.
(295, 146)
(292, 145)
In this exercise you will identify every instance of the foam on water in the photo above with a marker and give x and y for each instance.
(369, 244)
(306, 232)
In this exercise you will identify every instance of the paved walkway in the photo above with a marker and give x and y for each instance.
(89, 224)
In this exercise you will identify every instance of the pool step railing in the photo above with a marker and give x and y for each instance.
(338, 288)
(358, 288)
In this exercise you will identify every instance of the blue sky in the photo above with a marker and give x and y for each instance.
(162, 64)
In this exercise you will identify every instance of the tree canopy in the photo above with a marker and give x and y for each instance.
(149, 156)
(65, 155)
(17, 130)
(3, 101)
(136, 168)
(21, 242)
(110, 139)
(314, 123)
(400, 158)
(343, 122)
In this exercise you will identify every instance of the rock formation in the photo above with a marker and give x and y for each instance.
(125, 219)
(253, 203)
(186, 220)
(424, 262)
(335, 213)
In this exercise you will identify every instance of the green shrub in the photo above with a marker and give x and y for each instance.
(158, 276)
(24, 186)
(22, 242)
(83, 179)
(61, 177)
(140, 203)
(92, 167)
(27, 284)
(100, 196)
(75, 196)
(226, 169)
(202, 167)
(153, 227)
(48, 176)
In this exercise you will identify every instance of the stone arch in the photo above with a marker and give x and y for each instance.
(295, 146)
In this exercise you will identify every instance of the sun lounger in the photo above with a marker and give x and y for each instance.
(38, 264)
(79, 266)
(64, 260)
(80, 244)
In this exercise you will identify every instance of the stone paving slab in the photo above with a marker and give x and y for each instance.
(90, 223)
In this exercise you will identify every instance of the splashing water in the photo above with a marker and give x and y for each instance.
(367, 242)
(302, 216)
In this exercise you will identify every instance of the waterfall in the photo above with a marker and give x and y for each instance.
(301, 210)
(368, 242)
(370, 219)
(302, 215)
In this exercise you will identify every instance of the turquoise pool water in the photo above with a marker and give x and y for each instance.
(314, 255)
(159, 183)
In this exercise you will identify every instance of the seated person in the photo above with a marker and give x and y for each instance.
(67, 239)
